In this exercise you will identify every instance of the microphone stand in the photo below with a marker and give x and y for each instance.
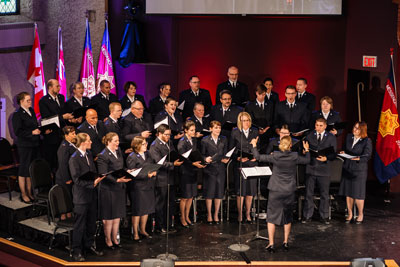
(167, 255)
(239, 247)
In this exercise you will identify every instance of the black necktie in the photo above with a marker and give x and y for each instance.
(262, 106)
(95, 129)
(319, 138)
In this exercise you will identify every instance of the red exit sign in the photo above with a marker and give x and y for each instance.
(369, 61)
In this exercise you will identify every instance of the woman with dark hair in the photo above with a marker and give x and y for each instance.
(112, 191)
(131, 96)
(240, 139)
(282, 187)
(213, 148)
(26, 129)
(142, 189)
(328, 114)
(188, 174)
(355, 170)
(175, 121)
(64, 152)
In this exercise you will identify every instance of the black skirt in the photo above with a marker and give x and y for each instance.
(143, 197)
(26, 156)
(353, 184)
(112, 204)
(214, 183)
(188, 183)
(280, 207)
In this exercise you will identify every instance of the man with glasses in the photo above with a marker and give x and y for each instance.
(225, 112)
(274, 142)
(292, 113)
(239, 90)
(193, 95)
(137, 123)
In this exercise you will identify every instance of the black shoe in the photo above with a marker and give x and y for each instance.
(146, 236)
(186, 226)
(210, 222)
(359, 222)
(285, 246)
(348, 221)
(79, 257)
(116, 245)
(94, 251)
(325, 221)
(270, 248)
(217, 222)
(190, 223)
(249, 221)
(26, 202)
(306, 220)
(109, 247)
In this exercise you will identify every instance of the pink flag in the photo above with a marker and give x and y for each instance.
(60, 69)
(87, 69)
(35, 73)
(105, 67)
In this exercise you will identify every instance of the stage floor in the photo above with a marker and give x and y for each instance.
(378, 236)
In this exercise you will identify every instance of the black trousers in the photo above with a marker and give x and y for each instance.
(84, 226)
(161, 205)
(323, 184)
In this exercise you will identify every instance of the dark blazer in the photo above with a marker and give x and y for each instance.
(133, 126)
(260, 117)
(239, 140)
(362, 148)
(190, 99)
(274, 142)
(83, 191)
(48, 107)
(240, 94)
(308, 99)
(156, 105)
(102, 104)
(230, 115)
(96, 138)
(176, 126)
(135, 161)
(216, 151)
(316, 167)
(157, 151)
(72, 104)
(64, 153)
(283, 177)
(187, 170)
(126, 103)
(333, 117)
(113, 126)
(23, 125)
(107, 162)
(201, 126)
(274, 98)
(296, 118)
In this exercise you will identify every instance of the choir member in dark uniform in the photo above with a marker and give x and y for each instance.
(160, 148)
(156, 104)
(95, 128)
(25, 127)
(188, 174)
(50, 105)
(142, 189)
(112, 190)
(303, 96)
(65, 151)
(194, 95)
(292, 113)
(213, 148)
(328, 114)
(103, 99)
(175, 121)
(239, 90)
(282, 187)
(261, 111)
(226, 111)
(131, 96)
(355, 170)
(271, 96)
(76, 101)
(137, 123)
(318, 172)
(84, 198)
(240, 138)
(113, 123)
(274, 142)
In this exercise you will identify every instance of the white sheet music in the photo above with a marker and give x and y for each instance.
(50, 120)
(126, 112)
(302, 131)
(347, 156)
(134, 173)
(164, 121)
(187, 154)
(161, 161)
(230, 152)
(256, 171)
(181, 105)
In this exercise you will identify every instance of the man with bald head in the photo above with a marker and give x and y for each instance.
(239, 90)
(51, 105)
(95, 129)
(137, 123)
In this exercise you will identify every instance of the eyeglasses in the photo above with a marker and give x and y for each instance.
(144, 144)
(167, 134)
(196, 82)
(290, 93)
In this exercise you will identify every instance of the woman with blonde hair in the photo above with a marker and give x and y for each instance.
(282, 187)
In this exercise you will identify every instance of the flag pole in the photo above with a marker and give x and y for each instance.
(58, 49)
(87, 58)
(394, 76)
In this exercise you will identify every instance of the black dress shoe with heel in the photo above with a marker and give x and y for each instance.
(78, 257)
(94, 251)
(270, 248)
(285, 246)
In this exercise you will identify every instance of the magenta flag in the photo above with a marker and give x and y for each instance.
(105, 67)
(87, 68)
(60, 68)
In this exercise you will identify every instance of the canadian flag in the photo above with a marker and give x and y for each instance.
(35, 73)
(60, 69)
